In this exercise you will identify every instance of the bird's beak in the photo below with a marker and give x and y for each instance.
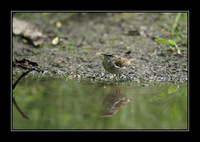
(107, 54)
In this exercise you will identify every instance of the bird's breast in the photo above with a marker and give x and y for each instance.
(110, 67)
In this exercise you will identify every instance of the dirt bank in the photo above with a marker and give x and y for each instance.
(82, 35)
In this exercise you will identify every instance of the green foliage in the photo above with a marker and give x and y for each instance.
(161, 40)
(172, 89)
(177, 18)
(179, 25)
(170, 44)
(160, 95)
(176, 26)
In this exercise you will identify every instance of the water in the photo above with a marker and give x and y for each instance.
(56, 104)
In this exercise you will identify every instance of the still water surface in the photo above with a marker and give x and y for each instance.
(58, 104)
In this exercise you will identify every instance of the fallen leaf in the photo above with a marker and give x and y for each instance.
(28, 30)
(57, 61)
(72, 76)
(55, 41)
(24, 41)
(98, 53)
(58, 24)
(25, 62)
(70, 67)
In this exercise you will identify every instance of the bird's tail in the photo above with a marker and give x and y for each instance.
(132, 100)
(132, 60)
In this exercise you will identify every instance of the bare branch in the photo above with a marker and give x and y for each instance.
(20, 111)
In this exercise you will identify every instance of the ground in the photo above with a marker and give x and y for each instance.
(83, 35)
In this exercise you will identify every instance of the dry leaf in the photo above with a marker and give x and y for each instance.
(57, 61)
(28, 30)
(73, 76)
(70, 67)
(55, 41)
(25, 62)
(58, 24)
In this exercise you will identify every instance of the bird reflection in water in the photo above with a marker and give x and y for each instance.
(113, 102)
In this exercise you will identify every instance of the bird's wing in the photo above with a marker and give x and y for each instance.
(120, 61)
(114, 63)
(117, 66)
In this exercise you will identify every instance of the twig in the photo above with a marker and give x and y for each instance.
(20, 111)
(29, 66)
(175, 51)
(24, 74)
(13, 100)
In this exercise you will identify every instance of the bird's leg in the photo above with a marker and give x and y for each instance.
(114, 78)
(117, 90)
(119, 75)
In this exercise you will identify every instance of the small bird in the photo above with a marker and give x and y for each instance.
(115, 64)
(113, 102)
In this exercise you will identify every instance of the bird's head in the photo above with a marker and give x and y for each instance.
(108, 55)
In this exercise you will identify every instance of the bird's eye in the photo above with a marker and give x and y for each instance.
(111, 55)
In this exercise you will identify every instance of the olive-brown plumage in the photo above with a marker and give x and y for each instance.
(116, 64)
